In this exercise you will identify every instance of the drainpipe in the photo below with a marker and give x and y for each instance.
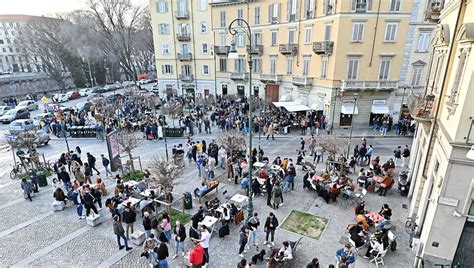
(215, 60)
(194, 51)
(175, 49)
(375, 35)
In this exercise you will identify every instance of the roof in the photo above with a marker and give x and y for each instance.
(17, 17)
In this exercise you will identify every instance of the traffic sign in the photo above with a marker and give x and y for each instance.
(44, 99)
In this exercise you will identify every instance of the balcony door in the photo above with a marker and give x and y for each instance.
(182, 6)
(184, 28)
(185, 49)
(291, 36)
(186, 70)
(257, 39)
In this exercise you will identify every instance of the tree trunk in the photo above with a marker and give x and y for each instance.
(132, 167)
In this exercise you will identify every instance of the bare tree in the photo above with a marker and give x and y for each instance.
(117, 22)
(172, 109)
(128, 142)
(331, 144)
(233, 141)
(26, 139)
(164, 174)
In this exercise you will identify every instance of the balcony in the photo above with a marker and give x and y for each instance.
(302, 81)
(433, 11)
(183, 36)
(270, 78)
(421, 107)
(186, 77)
(185, 56)
(288, 49)
(221, 50)
(181, 14)
(323, 47)
(239, 76)
(255, 50)
(376, 85)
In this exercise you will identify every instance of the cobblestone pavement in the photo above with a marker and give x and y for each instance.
(32, 235)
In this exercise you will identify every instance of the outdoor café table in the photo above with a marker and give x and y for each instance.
(239, 199)
(133, 202)
(330, 185)
(378, 179)
(209, 222)
(319, 179)
(130, 183)
(147, 192)
(374, 216)
(259, 165)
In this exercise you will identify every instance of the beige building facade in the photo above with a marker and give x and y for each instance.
(442, 163)
(183, 42)
(307, 51)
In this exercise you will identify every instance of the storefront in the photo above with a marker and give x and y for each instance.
(348, 110)
(379, 109)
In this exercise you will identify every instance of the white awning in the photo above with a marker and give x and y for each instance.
(348, 108)
(317, 106)
(291, 106)
(279, 103)
(380, 109)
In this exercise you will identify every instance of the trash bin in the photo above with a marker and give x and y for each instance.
(41, 179)
(188, 200)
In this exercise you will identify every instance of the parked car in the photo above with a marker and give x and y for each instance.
(41, 139)
(127, 83)
(37, 118)
(4, 109)
(21, 125)
(113, 97)
(72, 95)
(14, 114)
(83, 106)
(110, 87)
(28, 104)
(60, 97)
(85, 92)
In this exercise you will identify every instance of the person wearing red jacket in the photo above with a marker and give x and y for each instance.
(196, 256)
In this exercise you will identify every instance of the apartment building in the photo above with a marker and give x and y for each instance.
(183, 42)
(310, 51)
(442, 165)
(12, 58)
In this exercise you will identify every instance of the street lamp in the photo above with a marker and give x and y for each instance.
(403, 97)
(352, 123)
(242, 27)
(338, 93)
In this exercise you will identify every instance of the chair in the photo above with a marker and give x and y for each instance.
(361, 195)
(379, 258)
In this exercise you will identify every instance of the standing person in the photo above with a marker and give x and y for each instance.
(405, 155)
(163, 253)
(89, 201)
(147, 224)
(119, 232)
(204, 242)
(196, 256)
(397, 155)
(87, 173)
(26, 186)
(230, 168)
(65, 178)
(76, 198)
(211, 166)
(106, 163)
(129, 217)
(91, 161)
(369, 153)
(269, 188)
(270, 132)
(243, 240)
(34, 181)
(166, 226)
(179, 237)
(271, 223)
(276, 195)
(253, 224)
(222, 157)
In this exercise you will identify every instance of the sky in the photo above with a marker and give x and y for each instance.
(44, 7)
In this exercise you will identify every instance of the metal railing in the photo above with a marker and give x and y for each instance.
(183, 36)
(255, 49)
(185, 56)
(273, 78)
(376, 84)
(220, 50)
(186, 77)
(288, 48)
(182, 14)
(323, 47)
(239, 76)
(301, 80)
(421, 106)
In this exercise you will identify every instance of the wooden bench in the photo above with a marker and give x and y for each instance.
(214, 186)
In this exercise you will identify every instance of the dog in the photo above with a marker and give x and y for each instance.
(259, 256)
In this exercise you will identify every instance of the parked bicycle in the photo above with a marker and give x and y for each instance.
(16, 171)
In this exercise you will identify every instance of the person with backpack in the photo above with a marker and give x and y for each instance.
(405, 156)
(91, 161)
(106, 163)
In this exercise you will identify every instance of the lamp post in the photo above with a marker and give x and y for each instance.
(352, 124)
(338, 93)
(403, 97)
(242, 27)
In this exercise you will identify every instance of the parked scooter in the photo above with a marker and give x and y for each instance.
(403, 183)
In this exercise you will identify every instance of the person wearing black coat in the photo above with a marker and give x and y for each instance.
(89, 200)
(179, 236)
(97, 195)
(270, 225)
(129, 217)
(163, 253)
(65, 178)
(269, 187)
(147, 224)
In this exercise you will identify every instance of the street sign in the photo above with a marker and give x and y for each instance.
(44, 99)
(8, 136)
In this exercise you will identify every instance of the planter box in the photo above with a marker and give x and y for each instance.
(58, 205)
(174, 132)
(93, 220)
(138, 238)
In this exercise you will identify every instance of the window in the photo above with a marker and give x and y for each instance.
(203, 27)
(289, 65)
(274, 38)
(223, 65)
(184, 49)
(4, 50)
(395, 5)
(327, 32)
(182, 6)
(306, 62)
(291, 36)
(274, 13)
(165, 49)
(453, 97)
(183, 28)
(273, 61)
(391, 32)
(186, 70)
(205, 48)
(240, 40)
(205, 69)
(291, 10)
(384, 72)
(240, 15)
(257, 39)
(357, 32)
(423, 42)
(239, 65)
(223, 37)
(471, 209)
(417, 72)
(308, 9)
(1, 42)
(257, 16)
(361, 5)
(308, 35)
(161, 6)
(164, 28)
(352, 69)
(11, 49)
(257, 65)
(324, 67)
(202, 5)
(222, 17)
(167, 69)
